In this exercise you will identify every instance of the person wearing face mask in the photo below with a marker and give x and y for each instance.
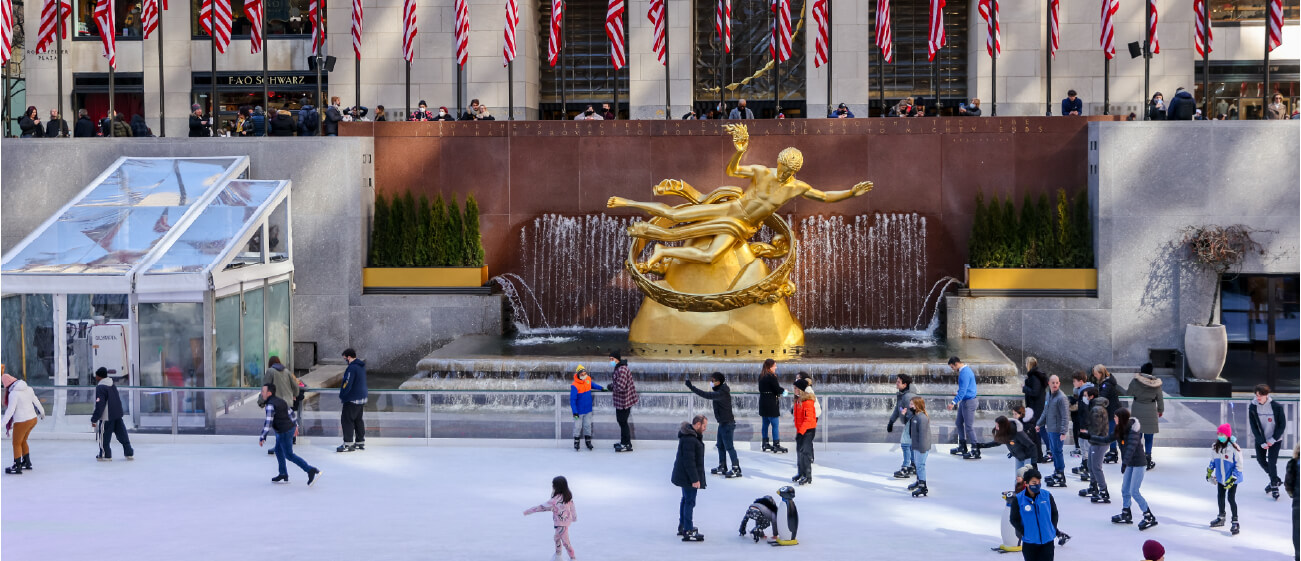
(421, 113)
(1225, 471)
(625, 396)
(1079, 406)
(580, 404)
(588, 114)
(606, 113)
(1034, 516)
(443, 115)
(721, 396)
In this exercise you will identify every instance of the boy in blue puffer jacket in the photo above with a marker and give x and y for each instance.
(1225, 470)
(580, 403)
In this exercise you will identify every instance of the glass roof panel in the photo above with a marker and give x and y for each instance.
(158, 182)
(227, 218)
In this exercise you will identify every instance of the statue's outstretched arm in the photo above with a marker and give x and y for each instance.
(741, 140)
(837, 196)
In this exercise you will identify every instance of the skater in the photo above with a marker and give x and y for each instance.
(20, 417)
(281, 419)
(1225, 471)
(353, 395)
(563, 514)
(1108, 389)
(783, 517)
(689, 473)
(1153, 551)
(1053, 425)
(1290, 485)
(806, 425)
(770, 394)
(625, 396)
(1100, 427)
(817, 405)
(286, 386)
(1023, 417)
(902, 402)
(1133, 465)
(1009, 432)
(721, 396)
(1035, 519)
(107, 418)
(1035, 390)
(1148, 406)
(919, 431)
(1268, 425)
(580, 404)
(965, 403)
(1079, 406)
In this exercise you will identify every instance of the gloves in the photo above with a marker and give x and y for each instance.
(889, 427)
(1233, 480)
(688, 382)
(1209, 474)
(575, 417)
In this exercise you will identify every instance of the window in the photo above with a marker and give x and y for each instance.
(749, 60)
(1259, 313)
(284, 17)
(1238, 87)
(1248, 10)
(126, 16)
(585, 69)
(911, 74)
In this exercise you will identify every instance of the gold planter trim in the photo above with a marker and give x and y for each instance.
(412, 277)
(1032, 279)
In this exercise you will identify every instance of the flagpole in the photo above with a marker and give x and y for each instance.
(668, 101)
(993, 81)
(1048, 59)
(1106, 84)
(560, 54)
(111, 70)
(935, 71)
(1265, 102)
(58, 46)
(266, 94)
(1206, 56)
(829, 57)
(510, 88)
(1147, 59)
(408, 113)
(162, 88)
(320, 109)
(776, 66)
(357, 88)
(212, 102)
(880, 83)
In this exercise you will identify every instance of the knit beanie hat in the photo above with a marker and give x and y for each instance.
(1152, 550)
(1225, 430)
(802, 384)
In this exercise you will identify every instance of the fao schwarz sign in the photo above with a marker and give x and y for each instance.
(256, 80)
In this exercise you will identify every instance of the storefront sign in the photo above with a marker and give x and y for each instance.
(256, 80)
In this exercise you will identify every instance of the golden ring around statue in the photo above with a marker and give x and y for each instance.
(770, 289)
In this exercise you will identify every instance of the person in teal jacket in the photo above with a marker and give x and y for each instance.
(1034, 516)
(580, 404)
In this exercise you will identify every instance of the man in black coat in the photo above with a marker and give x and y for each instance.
(198, 125)
(332, 117)
(56, 127)
(721, 396)
(770, 393)
(107, 418)
(689, 473)
(85, 127)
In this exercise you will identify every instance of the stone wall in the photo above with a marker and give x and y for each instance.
(332, 188)
(1148, 181)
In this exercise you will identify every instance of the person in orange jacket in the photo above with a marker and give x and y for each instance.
(806, 424)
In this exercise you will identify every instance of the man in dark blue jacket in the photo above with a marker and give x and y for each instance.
(1182, 106)
(721, 396)
(1072, 105)
(107, 418)
(353, 395)
(689, 473)
(1034, 515)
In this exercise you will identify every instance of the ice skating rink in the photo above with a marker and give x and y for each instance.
(213, 500)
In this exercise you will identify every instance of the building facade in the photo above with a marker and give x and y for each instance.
(699, 75)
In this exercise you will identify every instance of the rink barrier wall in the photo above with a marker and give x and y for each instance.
(544, 417)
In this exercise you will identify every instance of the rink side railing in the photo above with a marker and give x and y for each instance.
(533, 414)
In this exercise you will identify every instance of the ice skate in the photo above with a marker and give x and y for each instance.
(720, 470)
(17, 468)
(1151, 465)
(357, 447)
(974, 454)
(345, 447)
(692, 535)
(960, 449)
(280, 479)
(1148, 521)
(312, 475)
(903, 473)
(27, 465)
(1233, 529)
(921, 489)
(806, 480)
(1110, 458)
(1218, 522)
(577, 443)
(588, 440)
(1125, 517)
(915, 485)
(1103, 497)
(777, 447)
(767, 447)
(736, 472)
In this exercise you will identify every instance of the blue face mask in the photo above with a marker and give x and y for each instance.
(614, 363)
(1034, 489)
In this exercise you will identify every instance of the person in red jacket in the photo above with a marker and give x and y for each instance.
(806, 424)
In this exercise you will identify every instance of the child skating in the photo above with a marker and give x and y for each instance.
(563, 514)
(1225, 471)
(580, 404)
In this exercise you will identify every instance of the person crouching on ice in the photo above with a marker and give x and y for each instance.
(783, 517)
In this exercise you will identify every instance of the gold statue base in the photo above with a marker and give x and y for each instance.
(767, 327)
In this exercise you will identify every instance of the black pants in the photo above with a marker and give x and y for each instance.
(1233, 499)
(804, 451)
(1268, 460)
(1037, 552)
(114, 428)
(353, 423)
(625, 431)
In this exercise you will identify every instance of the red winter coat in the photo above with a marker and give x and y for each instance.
(806, 416)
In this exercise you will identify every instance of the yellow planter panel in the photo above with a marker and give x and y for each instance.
(1033, 279)
(401, 277)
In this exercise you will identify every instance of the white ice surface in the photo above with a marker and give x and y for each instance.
(208, 500)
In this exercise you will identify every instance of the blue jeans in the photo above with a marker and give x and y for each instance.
(285, 451)
(1147, 445)
(919, 459)
(770, 422)
(687, 505)
(725, 445)
(906, 444)
(1129, 489)
(1112, 426)
(1055, 446)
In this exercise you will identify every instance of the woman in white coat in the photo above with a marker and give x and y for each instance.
(20, 418)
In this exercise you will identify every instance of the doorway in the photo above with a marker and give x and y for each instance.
(1261, 315)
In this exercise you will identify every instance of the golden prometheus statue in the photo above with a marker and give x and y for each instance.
(716, 289)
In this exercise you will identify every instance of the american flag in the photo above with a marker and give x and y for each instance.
(614, 30)
(314, 18)
(104, 21)
(1156, 44)
(884, 40)
(553, 42)
(462, 31)
(1108, 38)
(1055, 35)
(780, 47)
(989, 12)
(6, 29)
(936, 39)
(820, 38)
(723, 24)
(656, 16)
(356, 27)
(1274, 24)
(512, 21)
(222, 35)
(409, 30)
(46, 33)
(1202, 37)
(254, 12)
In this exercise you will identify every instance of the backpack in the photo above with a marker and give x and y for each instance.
(309, 120)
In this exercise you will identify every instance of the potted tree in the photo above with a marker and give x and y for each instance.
(417, 245)
(1044, 250)
(1219, 250)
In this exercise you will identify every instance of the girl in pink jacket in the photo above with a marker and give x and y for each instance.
(563, 514)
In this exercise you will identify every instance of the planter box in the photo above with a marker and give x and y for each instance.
(416, 277)
(1033, 282)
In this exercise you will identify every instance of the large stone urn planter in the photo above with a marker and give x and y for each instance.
(1206, 348)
